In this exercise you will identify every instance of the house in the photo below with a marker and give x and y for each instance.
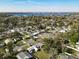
(39, 45)
(2, 44)
(35, 38)
(12, 31)
(36, 33)
(77, 45)
(7, 41)
(34, 48)
(7, 50)
(26, 37)
(24, 55)
(16, 40)
(64, 56)
(42, 31)
(17, 49)
(48, 28)
(30, 42)
(64, 29)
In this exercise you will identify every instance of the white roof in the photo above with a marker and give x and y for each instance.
(12, 30)
(62, 31)
(7, 41)
(35, 33)
(31, 48)
(35, 47)
(77, 43)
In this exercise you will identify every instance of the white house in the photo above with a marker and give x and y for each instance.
(7, 41)
(77, 45)
(34, 48)
(36, 33)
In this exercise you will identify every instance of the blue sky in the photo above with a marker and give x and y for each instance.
(39, 5)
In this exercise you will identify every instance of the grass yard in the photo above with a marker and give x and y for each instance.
(2, 51)
(42, 54)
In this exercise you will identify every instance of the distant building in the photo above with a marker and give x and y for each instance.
(26, 37)
(17, 49)
(7, 41)
(36, 33)
(77, 45)
(62, 31)
(12, 31)
(24, 55)
(17, 39)
(48, 27)
(63, 56)
(30, 42)
(7, 50)
(35, 38)
(2, 44)
(39, 45)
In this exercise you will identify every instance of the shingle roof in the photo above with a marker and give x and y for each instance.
(23, 55)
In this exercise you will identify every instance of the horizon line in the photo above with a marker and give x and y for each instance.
(42, 12)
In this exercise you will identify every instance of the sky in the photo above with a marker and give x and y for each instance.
(39, 5)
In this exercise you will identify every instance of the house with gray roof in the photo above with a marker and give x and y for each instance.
(24, 55)
(2, 44)
(64, 56)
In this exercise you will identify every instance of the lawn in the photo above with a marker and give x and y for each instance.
(42, 55)
(2, 51)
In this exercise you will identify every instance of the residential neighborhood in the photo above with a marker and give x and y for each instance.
(39, 37)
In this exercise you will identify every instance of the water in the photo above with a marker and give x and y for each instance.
(39, 14)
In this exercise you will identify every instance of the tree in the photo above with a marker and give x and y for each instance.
(53, 46)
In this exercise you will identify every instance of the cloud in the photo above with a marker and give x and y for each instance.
(38, 9)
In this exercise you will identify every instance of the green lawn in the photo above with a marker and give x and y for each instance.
(2, 51)
(42, 55)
